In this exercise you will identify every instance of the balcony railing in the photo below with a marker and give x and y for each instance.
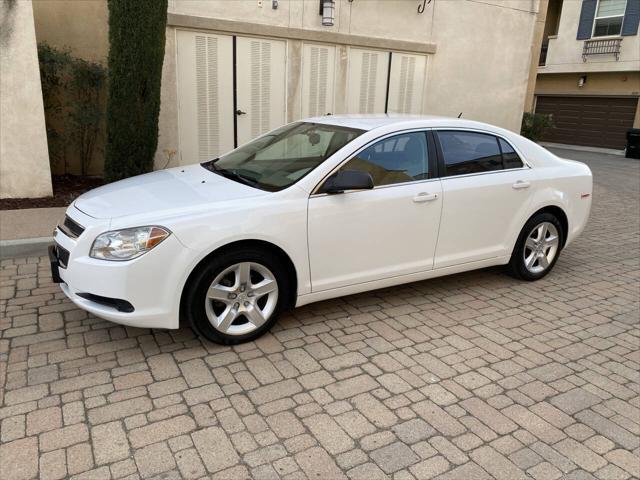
(601, 47)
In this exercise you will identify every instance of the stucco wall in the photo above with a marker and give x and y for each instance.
(565, 52)
(24, 158)
(482, 64)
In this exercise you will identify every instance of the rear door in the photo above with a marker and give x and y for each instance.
(486, 191)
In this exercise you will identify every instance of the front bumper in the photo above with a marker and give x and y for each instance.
(144, 292)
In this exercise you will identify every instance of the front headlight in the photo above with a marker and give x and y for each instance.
(127, 244)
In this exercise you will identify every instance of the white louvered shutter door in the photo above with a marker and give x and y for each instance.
(205, 95)
(318, 78)
(406, 83)
(261, 69)
(367, 83)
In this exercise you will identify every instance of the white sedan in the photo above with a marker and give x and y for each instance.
(317, 209)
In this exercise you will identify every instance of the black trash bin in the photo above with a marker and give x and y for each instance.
(633, 143)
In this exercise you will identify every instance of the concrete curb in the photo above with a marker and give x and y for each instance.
(25, 247)
(580, 148)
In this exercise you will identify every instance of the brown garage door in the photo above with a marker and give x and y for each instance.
(591, 121)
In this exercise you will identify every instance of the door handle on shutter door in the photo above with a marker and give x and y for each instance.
(521, 184)
(425, 197)
(240, 112)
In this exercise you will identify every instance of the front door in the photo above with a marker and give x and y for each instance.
(260, 83)
(486, 191)
(391, 230)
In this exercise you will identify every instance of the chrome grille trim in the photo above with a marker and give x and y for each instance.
(71, 228)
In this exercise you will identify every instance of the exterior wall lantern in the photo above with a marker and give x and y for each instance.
(328, 12)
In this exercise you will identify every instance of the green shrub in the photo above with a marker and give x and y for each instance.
(72, 97)
(136, 52)
(87, 82)
(535, 124)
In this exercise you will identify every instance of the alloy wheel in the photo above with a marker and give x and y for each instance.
(241, 298)
(541, 247)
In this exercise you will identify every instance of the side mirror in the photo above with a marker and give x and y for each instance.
(344, 180)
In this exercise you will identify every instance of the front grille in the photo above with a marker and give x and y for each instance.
(71, 228)
(63, 256)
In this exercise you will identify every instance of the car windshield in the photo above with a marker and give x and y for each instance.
(282, 157)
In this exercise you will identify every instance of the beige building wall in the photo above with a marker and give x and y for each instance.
(24, 157)
(482, 64)
(565, 52)
(82, 27)
(479, 54)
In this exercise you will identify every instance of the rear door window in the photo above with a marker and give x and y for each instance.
(469, 152)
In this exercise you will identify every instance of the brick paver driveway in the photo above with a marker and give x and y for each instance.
(468, 377)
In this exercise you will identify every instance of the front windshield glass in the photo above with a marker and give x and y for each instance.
(282, 157)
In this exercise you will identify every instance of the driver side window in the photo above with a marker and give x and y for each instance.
(398, 159)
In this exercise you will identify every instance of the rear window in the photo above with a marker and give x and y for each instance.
(469, 152)
(510, 158)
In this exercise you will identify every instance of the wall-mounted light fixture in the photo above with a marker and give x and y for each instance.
(328, 12)
(582, 80)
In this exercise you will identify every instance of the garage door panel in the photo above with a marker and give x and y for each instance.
(589, 121)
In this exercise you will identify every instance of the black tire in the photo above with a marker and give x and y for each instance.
(193, 302)
(517, 267)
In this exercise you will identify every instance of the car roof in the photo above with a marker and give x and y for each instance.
(374, 121)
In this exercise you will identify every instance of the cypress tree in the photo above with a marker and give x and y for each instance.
(136, 52)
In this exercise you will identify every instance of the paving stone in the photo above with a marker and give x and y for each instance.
(109, 443)
(580, 455)
(154, 459)
(496, 464)
(159, 431)
(430, 468)
(329, 434)
(53, 465)
(489, 415)
(64, 437)
(367, 471)
(438, 418)
(459, 378)
(575, 400)
(19, 459)
(394, 457)
(316, 463)
(222, 456)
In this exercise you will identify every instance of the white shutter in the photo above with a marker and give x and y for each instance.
(205, 95)
(406, 83)
(318, 78)
(367, 83)
(261, 69)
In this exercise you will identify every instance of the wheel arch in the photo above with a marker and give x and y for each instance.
(249, 243)
(560, 214)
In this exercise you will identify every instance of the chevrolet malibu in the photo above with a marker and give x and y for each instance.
(317, 209)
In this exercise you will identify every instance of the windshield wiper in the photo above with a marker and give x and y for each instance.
(234, 175)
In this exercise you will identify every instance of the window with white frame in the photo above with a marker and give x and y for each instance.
(609, 17)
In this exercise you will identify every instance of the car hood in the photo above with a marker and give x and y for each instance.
(161, 191)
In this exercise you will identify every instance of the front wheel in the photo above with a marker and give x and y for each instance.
(538, 248)
(237, 297)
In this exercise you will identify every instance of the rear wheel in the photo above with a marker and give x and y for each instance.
(237, 297)
(538, 247)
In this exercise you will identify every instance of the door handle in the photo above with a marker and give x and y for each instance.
(521, 184)
(240, 112)
(425, 197)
